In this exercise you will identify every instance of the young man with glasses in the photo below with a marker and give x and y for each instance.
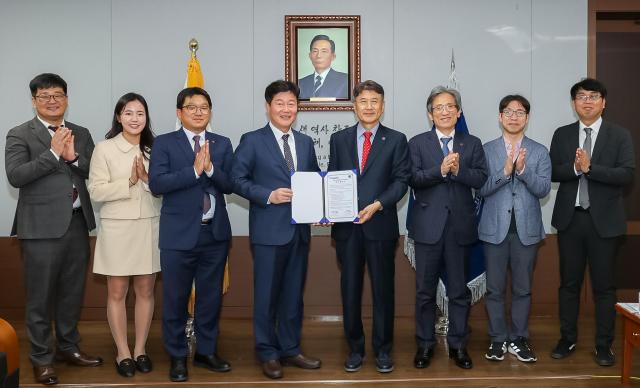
(47, 158)
(190, 169)
(511, 226)
(446, 166)
(593, 160)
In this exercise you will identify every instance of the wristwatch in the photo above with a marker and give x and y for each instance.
(74, 160)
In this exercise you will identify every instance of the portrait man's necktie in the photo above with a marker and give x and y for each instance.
(445, 145)
(366, 148)
(53, 127)
(583, 188)
(317, 85)
(288, 157)
(206, 200)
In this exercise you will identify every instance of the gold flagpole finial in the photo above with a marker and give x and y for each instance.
(193, 46)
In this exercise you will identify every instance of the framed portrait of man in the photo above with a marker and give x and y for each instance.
(322, 56)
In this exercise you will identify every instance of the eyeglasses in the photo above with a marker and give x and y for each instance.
(193, 109)
(448, 107)
(509, 112)
(588, 97)
(48, 97)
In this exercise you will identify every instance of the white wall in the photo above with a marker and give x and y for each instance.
(106, 48)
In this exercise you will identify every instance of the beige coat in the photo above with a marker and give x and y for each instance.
(127, 242)
(109, 182)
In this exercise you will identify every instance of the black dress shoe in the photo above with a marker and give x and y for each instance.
(178, 371)
(143, 363)
(353, 362)
(301, 361)
(563, 349)
(423, 357)
(211, 362)
(384, 363)
(126, 367)
(604, 356)
(272, 369)
(461, 357)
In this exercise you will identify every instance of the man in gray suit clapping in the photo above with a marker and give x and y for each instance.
(511, 226)
(47, 159)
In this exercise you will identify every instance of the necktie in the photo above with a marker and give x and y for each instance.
(53, 127)
(583, 188)
(288, 157)
(206, 200)
(445, 145)
(366, 148)
(317, 85)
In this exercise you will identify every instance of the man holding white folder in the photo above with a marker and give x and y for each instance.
(381, 157)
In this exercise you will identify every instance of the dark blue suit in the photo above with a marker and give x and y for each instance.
(336, 84)
(188, 249)
(443, 225)
(280, 249)
(384, 178)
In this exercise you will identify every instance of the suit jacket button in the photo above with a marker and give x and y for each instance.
(509, 211)
(514, 194)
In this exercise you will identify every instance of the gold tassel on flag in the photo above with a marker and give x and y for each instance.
(196, 79)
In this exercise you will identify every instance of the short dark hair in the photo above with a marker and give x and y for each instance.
(190, 92)
(322, 37)
(590, 84)
(46, 81)
(368, 85)
(506, 100)
(146, 136)
(280, 86)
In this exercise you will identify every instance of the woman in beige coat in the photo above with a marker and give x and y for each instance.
(127, 243)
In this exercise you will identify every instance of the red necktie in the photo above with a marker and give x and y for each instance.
(366, 147)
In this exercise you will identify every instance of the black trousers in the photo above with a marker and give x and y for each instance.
(578, 246)
(379, 256)
(55, 272)
(431, 260)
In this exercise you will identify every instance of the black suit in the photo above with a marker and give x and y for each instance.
(443, 225)
(384, 178)
(590, 236)
(54, 238)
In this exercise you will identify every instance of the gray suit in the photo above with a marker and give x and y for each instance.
(54, 238)
(505, 246)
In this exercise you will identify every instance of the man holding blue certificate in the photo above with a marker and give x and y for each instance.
(381, 157)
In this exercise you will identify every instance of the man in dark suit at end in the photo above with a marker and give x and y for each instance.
(47, 158)
(381, 157)
(324, 82)
(190, 169)
(262, 168)
(593, 160)
(446, 167)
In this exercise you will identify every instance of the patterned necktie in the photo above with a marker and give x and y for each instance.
(366, 148)
(583, 188)
(445, 145)
(288, 157)
(206, 200)
(317, 85)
